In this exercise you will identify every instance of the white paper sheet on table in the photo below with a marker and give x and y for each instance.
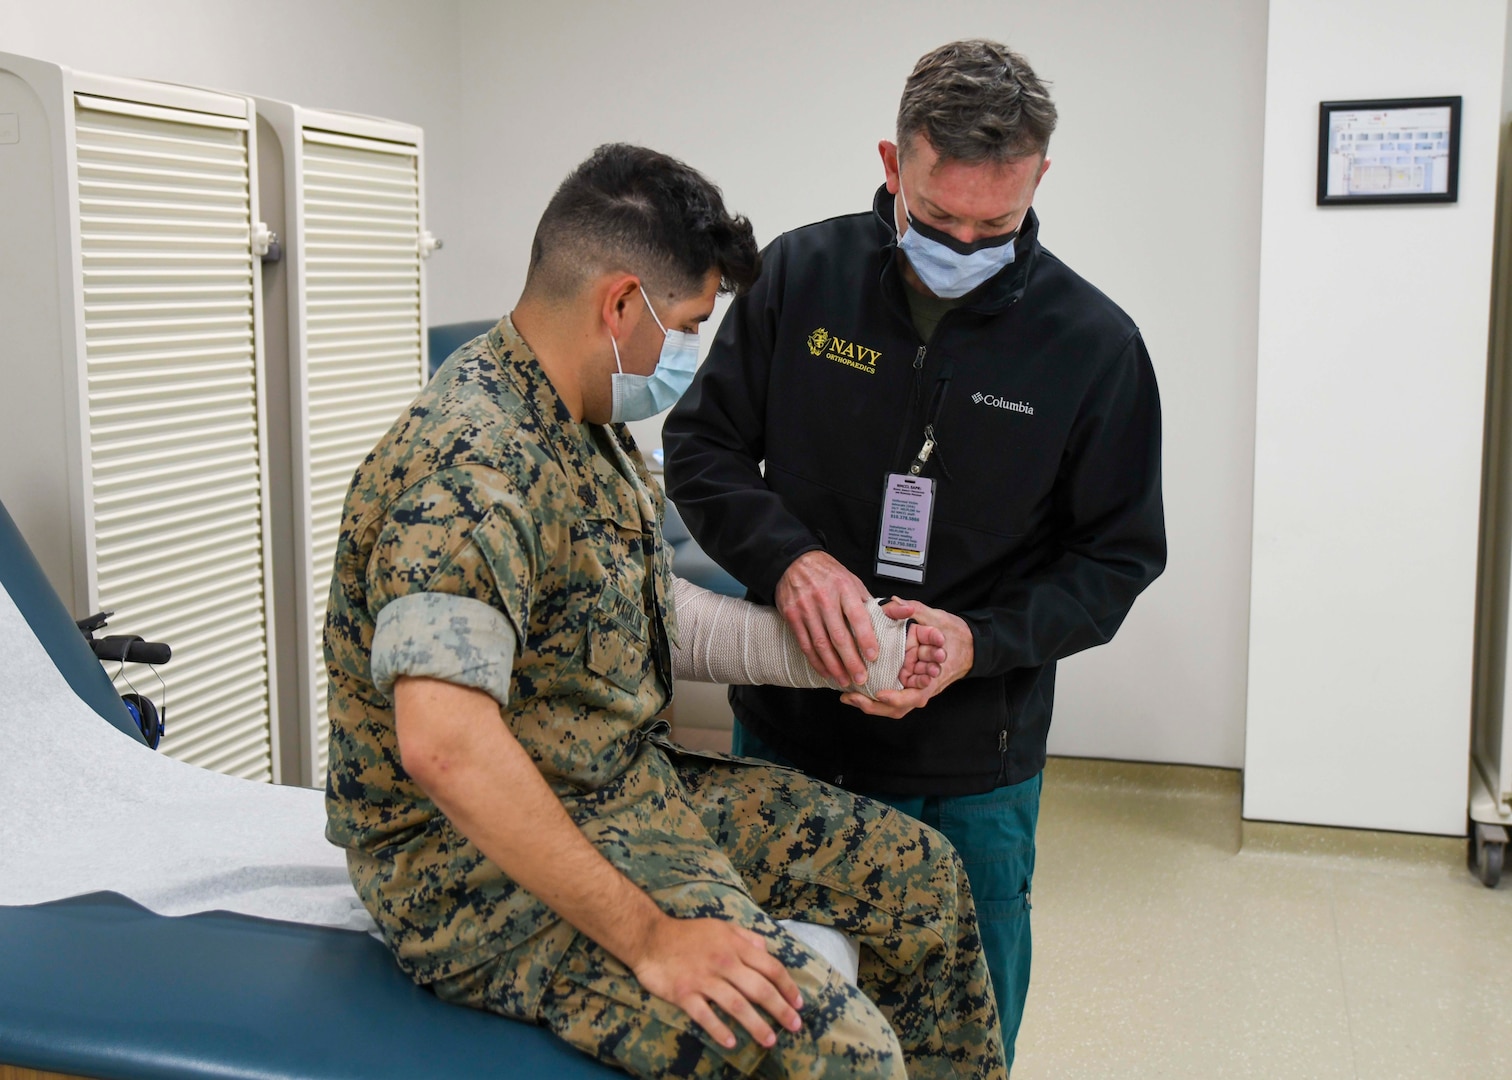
(84, 808)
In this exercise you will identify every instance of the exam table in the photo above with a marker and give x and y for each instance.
(99, 986)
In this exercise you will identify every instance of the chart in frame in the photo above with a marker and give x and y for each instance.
(1374, 152)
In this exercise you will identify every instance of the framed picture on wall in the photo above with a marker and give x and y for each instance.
(1396, 150)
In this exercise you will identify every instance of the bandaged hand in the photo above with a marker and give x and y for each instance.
(951, 658)
(725, 640)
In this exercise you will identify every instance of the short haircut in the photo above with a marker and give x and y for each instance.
(976, 101)
(635, 210)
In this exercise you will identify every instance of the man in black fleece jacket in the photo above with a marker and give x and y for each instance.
(922, 401)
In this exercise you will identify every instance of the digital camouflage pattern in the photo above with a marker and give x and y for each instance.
(808, 851)
(487, 493)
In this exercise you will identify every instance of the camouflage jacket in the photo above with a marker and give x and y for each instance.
(488, 516)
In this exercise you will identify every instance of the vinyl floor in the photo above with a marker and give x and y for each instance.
(1173, 941)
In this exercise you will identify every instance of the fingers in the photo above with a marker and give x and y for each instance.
(915, 673)
(826, 657)
(857, 605)
(764, 981)
(756, 989)
(901, 699)
(929, 636)
(698, 1010)
(813, 639)
(932, 654)
(733, 1000)
(899, 609)
(751, 978)
(893, 704)
(825, 606)
(772, 968)
(926, 645)
(813, 636)
(869, 707)
(853, 668)
(796, 623)
(717, 972)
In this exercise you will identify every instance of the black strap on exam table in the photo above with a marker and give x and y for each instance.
(55, 628)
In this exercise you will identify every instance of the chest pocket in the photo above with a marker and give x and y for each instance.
(616, 544)
(618, 645)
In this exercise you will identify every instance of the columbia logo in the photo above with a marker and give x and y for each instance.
(1002, 403)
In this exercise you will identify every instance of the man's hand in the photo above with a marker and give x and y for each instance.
(958, 649)
(825, 606)
(924, 656)
(697, 963)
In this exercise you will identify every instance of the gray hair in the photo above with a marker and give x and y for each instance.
(976, 101)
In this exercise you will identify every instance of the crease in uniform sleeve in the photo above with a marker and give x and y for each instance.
(456, 639)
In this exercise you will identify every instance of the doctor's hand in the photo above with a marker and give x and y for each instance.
(953, 656)
(698, 963)
(825, 607)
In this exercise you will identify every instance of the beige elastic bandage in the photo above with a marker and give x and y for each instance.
(725, 640)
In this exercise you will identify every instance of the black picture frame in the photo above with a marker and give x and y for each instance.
(1326, 113)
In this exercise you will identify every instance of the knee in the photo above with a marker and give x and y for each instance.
(844, 1033)
(947, 872)
(870, 1050)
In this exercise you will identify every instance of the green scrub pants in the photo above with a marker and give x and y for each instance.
(994, 834)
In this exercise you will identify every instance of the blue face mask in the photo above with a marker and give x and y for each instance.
(947, 267)
(640, 397)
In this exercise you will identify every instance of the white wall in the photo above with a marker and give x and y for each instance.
(1372, 354)
(1154, 196)
(389, 58)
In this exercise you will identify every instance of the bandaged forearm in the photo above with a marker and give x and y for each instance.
(725, 640)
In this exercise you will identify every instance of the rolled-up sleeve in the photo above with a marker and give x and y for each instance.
(456, 639)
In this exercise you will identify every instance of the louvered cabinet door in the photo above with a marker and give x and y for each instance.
(173, 459)
(362, 346)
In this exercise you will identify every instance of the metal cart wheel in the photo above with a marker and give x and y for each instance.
(1487, 853)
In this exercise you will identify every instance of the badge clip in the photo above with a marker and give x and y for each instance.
(924, 451)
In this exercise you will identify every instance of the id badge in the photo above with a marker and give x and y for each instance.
(903, 537)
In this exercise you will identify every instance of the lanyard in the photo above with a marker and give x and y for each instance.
(942, 384)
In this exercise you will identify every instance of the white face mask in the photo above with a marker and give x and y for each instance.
(947, 267)
(640, 397)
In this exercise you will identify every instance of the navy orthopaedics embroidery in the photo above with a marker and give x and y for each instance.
(851, 354)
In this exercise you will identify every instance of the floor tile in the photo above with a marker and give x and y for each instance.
(1163, 950)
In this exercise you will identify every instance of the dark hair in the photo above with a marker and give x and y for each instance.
(632, 209)
(976, 101)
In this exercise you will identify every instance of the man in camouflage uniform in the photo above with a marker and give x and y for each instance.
(500, 556)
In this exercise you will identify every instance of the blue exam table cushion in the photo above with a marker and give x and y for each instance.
(98, 986)
(443, 340)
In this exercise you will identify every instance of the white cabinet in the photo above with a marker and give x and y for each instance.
(133, 449)
(346, 341)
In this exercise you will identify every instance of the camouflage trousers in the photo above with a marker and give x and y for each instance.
(806, 851)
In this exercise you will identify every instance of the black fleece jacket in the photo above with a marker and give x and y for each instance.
(1048, 518)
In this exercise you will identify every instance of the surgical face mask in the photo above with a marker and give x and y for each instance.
(640, 397)
(946, 266)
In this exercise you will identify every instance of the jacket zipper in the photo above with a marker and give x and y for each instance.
(918, 387)
(1003, 735)
(913, 404)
